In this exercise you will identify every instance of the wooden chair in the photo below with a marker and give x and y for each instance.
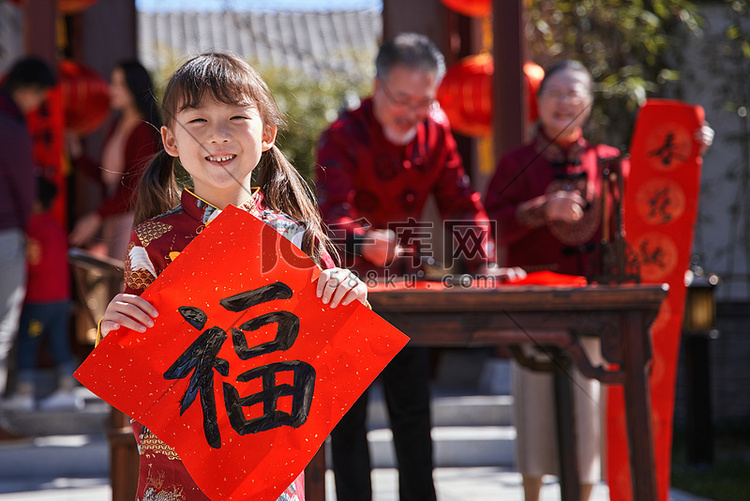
(91, 273)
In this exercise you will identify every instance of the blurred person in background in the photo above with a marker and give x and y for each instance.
(130, 143)
(24, 89)
(46, 311)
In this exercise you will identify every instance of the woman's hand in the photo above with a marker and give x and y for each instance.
(339, 286)
(565, 206)
(127, 310)
(75, 148)
(85, 228)
(705, 136)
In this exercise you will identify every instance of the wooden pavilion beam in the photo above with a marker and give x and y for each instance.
(39, 22)
(509, 52)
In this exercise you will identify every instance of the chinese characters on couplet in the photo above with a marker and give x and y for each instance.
(669, 151)
(201, 359)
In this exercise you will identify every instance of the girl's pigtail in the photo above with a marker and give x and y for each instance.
(285, 190)
(158, 191)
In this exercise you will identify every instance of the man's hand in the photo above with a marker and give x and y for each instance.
(502, 273)
(380, 247)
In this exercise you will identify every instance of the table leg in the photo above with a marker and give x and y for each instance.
(700, 431)
(570, 488)
(637, 354)
(315, 476)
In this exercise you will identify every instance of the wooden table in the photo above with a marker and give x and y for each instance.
(554, 317)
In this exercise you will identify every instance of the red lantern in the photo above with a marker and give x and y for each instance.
(66, 6)
(465, 94)
(533, 76)
(85, 97)
(73, 6)
(473, 8)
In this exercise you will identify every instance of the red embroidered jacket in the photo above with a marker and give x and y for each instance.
(542, 167)
(365, 181)
(153, 245)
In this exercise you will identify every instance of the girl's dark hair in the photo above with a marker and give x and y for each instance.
(566, 64)
(140, 85)
(231, 80)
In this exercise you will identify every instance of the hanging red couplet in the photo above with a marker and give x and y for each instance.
(46, 125)
(246, 371)
(660, 211)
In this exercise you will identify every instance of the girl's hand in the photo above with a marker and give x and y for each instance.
(127, 310)
(340, 286)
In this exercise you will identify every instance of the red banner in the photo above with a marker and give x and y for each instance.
(660, 211)
(246, 371)
(46, 125)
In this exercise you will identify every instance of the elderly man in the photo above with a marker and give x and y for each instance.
(377, 166)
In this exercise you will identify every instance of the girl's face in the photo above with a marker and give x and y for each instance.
(564, 105)
(120, 96)
(219, 145)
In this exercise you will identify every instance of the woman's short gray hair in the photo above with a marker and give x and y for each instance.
(571, 65)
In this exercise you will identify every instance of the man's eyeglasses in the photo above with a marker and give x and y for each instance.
(575, 96)
(424, 105)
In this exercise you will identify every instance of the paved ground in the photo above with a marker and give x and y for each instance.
(72, 465)
(453, 484)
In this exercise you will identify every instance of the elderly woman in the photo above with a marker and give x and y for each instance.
(130, 142)
(548, 200)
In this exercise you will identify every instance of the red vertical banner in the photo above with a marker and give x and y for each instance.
(46, 125)
(660, 211)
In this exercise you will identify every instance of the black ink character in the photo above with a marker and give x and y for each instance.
(668, 151)
(655, 256)
(201, 358)
(659, 205)
(288, 323)
(301, 391)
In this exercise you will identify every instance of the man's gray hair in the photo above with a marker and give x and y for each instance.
(412, 50)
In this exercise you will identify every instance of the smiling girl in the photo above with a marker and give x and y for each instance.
(220, 124)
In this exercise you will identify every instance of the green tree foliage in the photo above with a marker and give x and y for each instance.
(309, 105)
(629, 47)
